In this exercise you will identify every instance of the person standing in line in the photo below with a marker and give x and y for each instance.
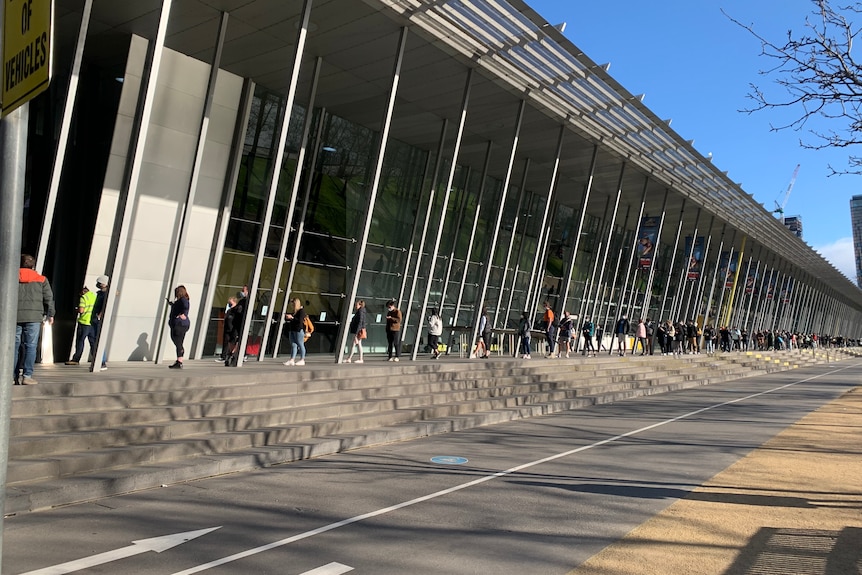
(622, 332)
(484, 336)
(588, 330)
(550, 329)
(98, 313)
(640, 333)
(227, 327)
(567, 324)
(435, 330)
(296, 333)
(178, 321)
(708, 339)
(84, 329)
(393, 331)
(358, 330)
(524, 333)
(35, 301)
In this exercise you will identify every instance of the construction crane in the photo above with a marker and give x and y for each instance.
(779, 208)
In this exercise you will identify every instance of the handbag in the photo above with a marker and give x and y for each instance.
(361, 334)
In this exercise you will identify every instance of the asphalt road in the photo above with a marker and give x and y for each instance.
(539, 496)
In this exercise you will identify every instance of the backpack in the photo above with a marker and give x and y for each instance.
(308, 327)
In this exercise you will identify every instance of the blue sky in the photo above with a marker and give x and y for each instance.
(695, 66)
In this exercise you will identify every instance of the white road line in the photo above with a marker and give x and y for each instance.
(475, 482)
(330, 569)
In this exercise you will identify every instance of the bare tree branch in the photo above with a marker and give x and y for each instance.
(819, 77)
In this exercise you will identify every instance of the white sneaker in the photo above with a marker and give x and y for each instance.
(289, 362)
(300, 362)
(348, 360)
(391, 359)
(395, 359)
(358, 361)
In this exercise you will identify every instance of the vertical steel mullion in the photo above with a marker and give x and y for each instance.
(115, 268)
(541, 245)
(672, 258)
(751, 299)
(516, 270)
(739, 317)
(602, 288)
(724, 316)
(181, 227)
(63, 137)
(299, 50)
(447, 193)
(609, 289)
(460, 224)
(588, 286)
(761, 299)
(300, 227)
(567, 286)
(223, 219)
(693, 308)
(406, 275)
(480, 301)
(707, 315)
(654, 262)
(625, 303)
(522, 193)
(288, 218)
(378, 169)
(540, 272)
(435, 180)
(802, 308)
(479, 199)
(604, 256)
(683, 276)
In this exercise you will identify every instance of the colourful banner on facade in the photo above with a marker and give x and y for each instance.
(730, 271)
(695, 257)
(647, 241)
(751, 281)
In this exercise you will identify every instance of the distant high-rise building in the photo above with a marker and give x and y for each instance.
(856, 223)
(794, 224)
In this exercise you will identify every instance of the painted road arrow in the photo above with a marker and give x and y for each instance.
(157, 544)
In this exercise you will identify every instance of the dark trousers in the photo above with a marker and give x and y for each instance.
(178, 335)
(393, 340)
(82, 333)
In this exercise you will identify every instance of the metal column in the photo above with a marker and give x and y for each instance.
(438, 164)
(116, 265)
(447, 193)
(480, 301)
(223, 221)
(288, 217)
(522, 193)
(378, 170)
(181, 227)
(13, 160)
(581, 217)
(278, 159)
(63, 137)
(672, 257)
(544, 228)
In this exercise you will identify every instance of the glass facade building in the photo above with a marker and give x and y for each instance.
(458, 155)
(856, 223)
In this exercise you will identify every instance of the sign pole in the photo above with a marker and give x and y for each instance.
(13, 157)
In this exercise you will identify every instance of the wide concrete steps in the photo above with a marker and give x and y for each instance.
(76, 441)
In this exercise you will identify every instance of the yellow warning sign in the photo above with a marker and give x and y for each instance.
(26, 51)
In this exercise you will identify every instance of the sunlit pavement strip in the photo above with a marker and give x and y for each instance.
(790, 506)
(481, 480)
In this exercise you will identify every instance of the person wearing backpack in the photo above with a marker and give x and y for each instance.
(296, 333)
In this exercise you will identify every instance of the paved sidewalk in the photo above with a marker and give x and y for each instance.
(791, 507)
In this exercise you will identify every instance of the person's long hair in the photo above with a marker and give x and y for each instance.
(180, 292)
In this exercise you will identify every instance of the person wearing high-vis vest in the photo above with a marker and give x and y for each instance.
(85, 329)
